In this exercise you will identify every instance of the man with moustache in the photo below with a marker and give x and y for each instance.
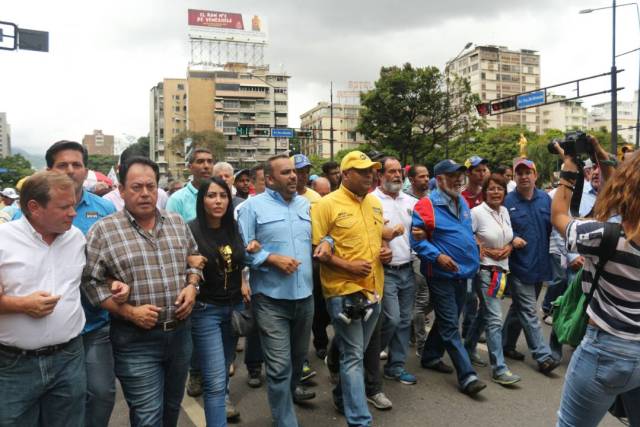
(449, 258)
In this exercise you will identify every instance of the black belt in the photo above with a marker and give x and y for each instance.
(491, 268)
(42, 351)
(168, 326)
(398, 267)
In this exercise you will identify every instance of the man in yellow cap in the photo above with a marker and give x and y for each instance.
(347, 232)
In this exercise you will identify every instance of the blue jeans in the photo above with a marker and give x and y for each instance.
(490, 319)
(101, 379)
(448, 297)
(558, 283)
(471, 308)
(152, 367)
(214, 344)
(522, 312)
(397, 310)
(602, 367)
(285, 331)
(43, 390)
(352, 340)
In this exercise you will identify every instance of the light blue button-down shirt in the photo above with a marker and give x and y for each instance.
(183, 202)
(281, 228)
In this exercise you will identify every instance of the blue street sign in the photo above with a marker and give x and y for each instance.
(4, 170)
(281, 133)
(530, 99)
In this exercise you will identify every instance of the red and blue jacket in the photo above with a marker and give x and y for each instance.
(447, 234)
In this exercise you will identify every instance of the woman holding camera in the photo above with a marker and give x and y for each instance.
(607, 361)
(218, 238)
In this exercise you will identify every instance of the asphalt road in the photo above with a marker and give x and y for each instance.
(434, 401)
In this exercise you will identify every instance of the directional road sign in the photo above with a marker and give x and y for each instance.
(530, 99)
(281, 133)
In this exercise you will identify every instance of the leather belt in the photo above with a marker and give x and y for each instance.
(398, 267)
(42, 351)
(167, 326)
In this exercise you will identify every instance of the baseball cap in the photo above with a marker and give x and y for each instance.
(10, 193)
(300, 161)
(474, 161)
(588, 164)
(357, 160)
(448, 166)
(241, 172)
(526, 163)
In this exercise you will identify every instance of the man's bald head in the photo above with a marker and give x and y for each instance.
(321, 185)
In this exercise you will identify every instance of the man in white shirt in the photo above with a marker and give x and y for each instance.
(41, 261)
(399, 278)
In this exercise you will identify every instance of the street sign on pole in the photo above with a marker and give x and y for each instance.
(530, 99)
(281, 133)
(8, 36)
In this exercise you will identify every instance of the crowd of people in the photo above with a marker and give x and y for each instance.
(146, 285)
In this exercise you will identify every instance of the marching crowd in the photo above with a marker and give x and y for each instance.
(154, 287)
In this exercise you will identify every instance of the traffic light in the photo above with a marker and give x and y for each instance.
(261, 132)
(242, 131)
(483, 109)
(504, 104)
(304, 133)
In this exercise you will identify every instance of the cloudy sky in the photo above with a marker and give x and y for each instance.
(105, 56)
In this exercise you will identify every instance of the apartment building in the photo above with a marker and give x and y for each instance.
(98, 143)
(5, 136)
(563, 115)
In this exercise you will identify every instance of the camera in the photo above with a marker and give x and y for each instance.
(574, 144)
(356, 307)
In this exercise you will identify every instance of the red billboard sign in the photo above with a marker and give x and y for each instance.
(210, 18)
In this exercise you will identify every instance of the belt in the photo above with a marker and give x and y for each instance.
(491, 268)
(42, 351)
(167, 326)
(398, 267)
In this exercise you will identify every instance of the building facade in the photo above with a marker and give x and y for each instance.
(318, 120)
(600, 116)
(98, 143)
(497, 72)
(5, 136)
(563, 115)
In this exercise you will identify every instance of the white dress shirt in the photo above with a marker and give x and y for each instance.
(28, 264)
(398, 210)
(493, 230)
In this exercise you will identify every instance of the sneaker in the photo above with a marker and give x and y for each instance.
(301, 394)
(513, 354)
(474, 387)
(477, 361)
(232, 411)
(307, 372)
(321, 353)
(384, 355)
(194, 385)
(255, 380)
(548, 365)
(506, 378)
(380, 401)
(404, 378)
(232, 370)
(547, 319)
(439, 366)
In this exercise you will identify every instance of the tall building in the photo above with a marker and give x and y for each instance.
(5, 136)
(98, 143)
(563, 115)
(318, 121)
(600, 116)
(249, 99)
(496, 72)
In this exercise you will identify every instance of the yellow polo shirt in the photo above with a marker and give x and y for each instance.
(356, 229)
(311, 195)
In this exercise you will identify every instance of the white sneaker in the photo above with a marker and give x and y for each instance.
(380, 401)
(383, 355)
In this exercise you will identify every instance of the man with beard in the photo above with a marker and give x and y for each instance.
(449, 257)
(331, 171)
(399, 279)
(419, 178)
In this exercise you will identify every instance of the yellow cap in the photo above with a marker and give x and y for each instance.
(358, 160)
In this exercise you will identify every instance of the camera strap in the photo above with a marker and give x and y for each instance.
(576, 197)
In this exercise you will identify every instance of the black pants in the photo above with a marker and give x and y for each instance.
(320, 316)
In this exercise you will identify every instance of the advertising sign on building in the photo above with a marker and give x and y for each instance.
(226, 26)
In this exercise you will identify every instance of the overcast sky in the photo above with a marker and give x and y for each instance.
(105, 56)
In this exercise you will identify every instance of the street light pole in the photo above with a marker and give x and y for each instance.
(331, 122)
(614, 89)
(448, 98)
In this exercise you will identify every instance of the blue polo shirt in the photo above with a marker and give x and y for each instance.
(183, 202)
(89, 211)
(531, 221)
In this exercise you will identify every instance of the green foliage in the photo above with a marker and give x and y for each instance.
(17, 167)
(102, 163)
(210, 139)
(139, 148)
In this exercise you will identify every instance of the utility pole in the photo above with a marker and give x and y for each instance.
(614, 90)
(331, 122)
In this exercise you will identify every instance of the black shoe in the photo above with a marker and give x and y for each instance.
(321, 353)
(513, 354)
(301, 394)
(255, 380)
(439, 366)
(474, 387)
(548, 365)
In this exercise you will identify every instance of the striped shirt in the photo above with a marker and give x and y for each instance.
(153, 264)
(615, 306)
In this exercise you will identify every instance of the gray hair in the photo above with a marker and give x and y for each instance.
(221, 166)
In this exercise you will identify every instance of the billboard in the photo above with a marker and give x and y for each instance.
(226, 26)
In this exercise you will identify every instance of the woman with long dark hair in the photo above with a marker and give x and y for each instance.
(218, 238)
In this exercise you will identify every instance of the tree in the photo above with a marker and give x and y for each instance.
(411, 110)
(209, 139)
(102, 163)
(17, 167)
(139, 148)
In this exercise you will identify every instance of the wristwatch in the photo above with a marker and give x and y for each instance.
(195, 285)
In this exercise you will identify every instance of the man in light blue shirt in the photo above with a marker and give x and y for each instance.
(183, 201)
(281, 283)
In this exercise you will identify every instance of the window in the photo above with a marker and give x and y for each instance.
(281, 90)
(180, 86)
(228, 86)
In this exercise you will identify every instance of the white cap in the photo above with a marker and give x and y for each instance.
(10, 193)
(588, 164)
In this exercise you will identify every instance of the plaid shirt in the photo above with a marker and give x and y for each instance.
(153, 264)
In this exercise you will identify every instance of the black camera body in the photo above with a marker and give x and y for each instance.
(356, 308)
(574, 144)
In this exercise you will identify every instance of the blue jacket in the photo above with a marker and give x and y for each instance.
(448, 233)
(531, 221)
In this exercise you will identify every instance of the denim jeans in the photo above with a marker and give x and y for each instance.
(422, 308)
(285, 330)
(101, 379)
(43, 390)
(214, 344)
(397, 310)
(152, 367)
(448, 297)
(471, 307)
(352, 339)
(490, 319)
(557, 285)
(523, 314)
(602, 367)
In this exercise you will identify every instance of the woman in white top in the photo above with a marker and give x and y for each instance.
(492, 227)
